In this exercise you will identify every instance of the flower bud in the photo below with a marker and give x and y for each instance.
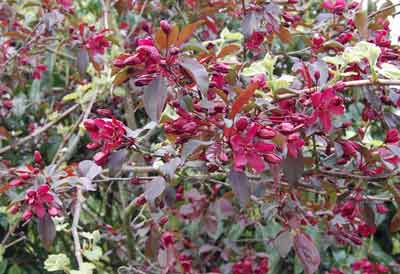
(37, 157)
(381, 209)
(163, 220)
(104, 112)
(27, 215)
(14, 209)
(141, 200)
(167, 239)
(165, 26)
(241, 123)
(100, 158)
(392, 136)
(90, 125)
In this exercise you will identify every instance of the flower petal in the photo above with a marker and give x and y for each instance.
(264, 147)
(255, 162)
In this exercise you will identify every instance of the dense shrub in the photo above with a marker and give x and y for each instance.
(243, 137)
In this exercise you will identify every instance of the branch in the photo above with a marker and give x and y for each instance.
(126, 215)
(39, 131)
(359, 177)
(74, 228)
(355, 83)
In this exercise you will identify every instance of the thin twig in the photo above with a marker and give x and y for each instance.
(39, 131)
(355, 83)
(15, 242)
(74, 228)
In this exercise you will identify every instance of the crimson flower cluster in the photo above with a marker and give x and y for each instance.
(364, 266)
(246, 266)
(147, 60)
(326, 104)
(249, 151)
(39, 201)
(94, 41)
(107, 134)
(356, 227)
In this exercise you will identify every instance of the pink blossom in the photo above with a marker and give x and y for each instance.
(248, 151)
(392, 136)
(334, 6)
(39, 201)
(326, 104)
(294, 144)
(97, 44)
(39, 69)
(255, 40)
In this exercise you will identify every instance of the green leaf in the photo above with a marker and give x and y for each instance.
(15, 269)
(93, 254)
(3, 266)
(191, 146)
(231, 36)
(92, 236)
(56, 262)
(87, 268)
(265, 66)
(390, 71)
(337, 60)
(363, 50)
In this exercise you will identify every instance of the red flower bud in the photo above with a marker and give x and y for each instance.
(135, 181)
(163, 220)
(141, 200)
(27, 215)
(381, 209)
(165, 26)
(266, 133)
(14, 209)
(15, 182)
(241, 123)
(93, 146)
(392, 136)
(90, 125)
(37, 157)
(167, 239)
(8, 104)
(272, 158)
(104, 112)
(100, 158)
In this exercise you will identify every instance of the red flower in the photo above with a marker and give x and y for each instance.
(66, 4)
(39, 69)
(39, 201)
(366, 230)
(294, 144)
(392, 136)
(334, 6)
(110, 133)
(97, 44)
(326, 104)
(248, 151)
(368, 267)
(350, 148)
(37, 157)
(381, 209)
(167, 239)
(317, 41)
(255, 40)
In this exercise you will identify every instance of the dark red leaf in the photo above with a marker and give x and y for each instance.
(307, 252)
